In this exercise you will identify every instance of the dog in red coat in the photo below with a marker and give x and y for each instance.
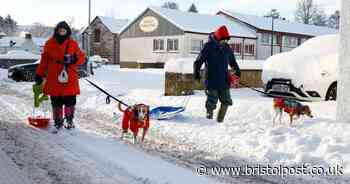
(134, 118)
(291, 107)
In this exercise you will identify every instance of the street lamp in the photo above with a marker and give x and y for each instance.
(88, 31)
(273, 15)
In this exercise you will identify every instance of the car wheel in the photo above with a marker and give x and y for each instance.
(332, 92)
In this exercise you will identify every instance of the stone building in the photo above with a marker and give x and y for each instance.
(103, 36)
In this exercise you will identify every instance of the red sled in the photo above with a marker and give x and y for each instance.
(39, 122)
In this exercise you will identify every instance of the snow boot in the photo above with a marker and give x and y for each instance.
(222, 113)
(57, 126)
(209, 114)
(69, 114)
(57, 114)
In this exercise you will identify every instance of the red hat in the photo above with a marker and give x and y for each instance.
(222, 33)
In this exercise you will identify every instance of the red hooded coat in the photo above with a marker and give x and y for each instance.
(51, 66)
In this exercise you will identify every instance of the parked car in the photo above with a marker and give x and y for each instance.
(97, 61)
(26, 72)
(309, 72)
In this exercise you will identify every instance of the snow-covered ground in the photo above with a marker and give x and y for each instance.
(78, 157)
(246, 137)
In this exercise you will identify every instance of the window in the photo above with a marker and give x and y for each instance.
(173, 45)
(158, 45)
(236, 48)
(249, 49)
(266, 39)
(196, 45)
(289, 41)
(97, 34)
(303, 40)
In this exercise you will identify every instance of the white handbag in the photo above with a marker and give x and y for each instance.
(63, 76)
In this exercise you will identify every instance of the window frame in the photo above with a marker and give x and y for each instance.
(97, 36)
(290, 41)
(172, 45)
(158, 45)
(251, 50)
(198, 49)
(236, 47)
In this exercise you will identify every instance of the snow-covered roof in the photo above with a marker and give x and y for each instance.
(199, 23)
(285, 26)
(114, 25)
(19, 54)
(202, 23)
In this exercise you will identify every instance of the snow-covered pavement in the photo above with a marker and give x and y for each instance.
(10, 173)
(246, 137)
(90, 154)
(81, 157)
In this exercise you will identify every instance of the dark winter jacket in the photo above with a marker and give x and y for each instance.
(216, 59)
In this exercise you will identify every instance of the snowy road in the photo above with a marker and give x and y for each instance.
(86, 157)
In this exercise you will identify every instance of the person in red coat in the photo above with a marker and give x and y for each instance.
(59, 64)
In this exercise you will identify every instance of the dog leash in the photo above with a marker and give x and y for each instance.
(278, 96)
(259, 91)
(105, 92)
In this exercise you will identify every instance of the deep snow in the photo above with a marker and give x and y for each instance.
(82, 156)
(247, 133)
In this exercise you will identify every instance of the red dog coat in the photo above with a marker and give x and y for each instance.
(132, 121)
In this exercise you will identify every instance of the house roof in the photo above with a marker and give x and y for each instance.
(264, 23)
(114, 25)
(200, 23)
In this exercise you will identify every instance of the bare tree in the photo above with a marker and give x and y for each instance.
(171, 5)
(40, 30)
(320, 18)
(306, 10)
(8, 25)
(334, 20)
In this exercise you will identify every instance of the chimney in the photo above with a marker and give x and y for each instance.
(28, 36)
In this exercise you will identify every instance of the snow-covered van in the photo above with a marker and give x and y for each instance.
(309, 72)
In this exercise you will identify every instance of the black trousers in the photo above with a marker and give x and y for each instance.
(59, 101)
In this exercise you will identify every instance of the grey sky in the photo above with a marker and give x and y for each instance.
(50, 12)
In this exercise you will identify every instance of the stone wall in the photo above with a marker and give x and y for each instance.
(177, 84)
(141, 65)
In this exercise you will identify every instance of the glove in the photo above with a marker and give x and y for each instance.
(38, 79)
(70, 59)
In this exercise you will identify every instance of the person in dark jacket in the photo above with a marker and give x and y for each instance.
(217, 56)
